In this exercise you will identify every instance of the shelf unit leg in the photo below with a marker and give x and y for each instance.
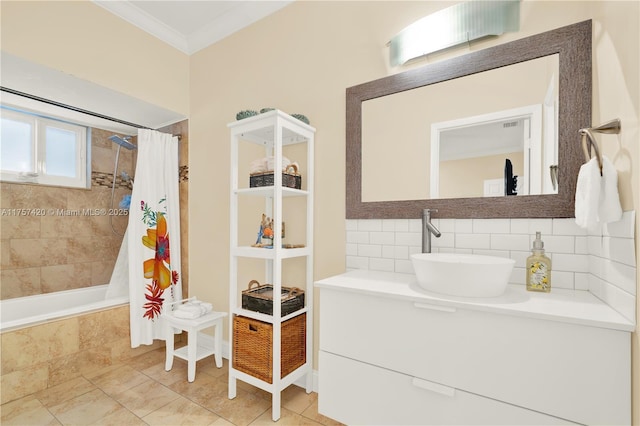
(218, 343)
(232, 387)
(169, 344)
(275, 406)
(192, 349)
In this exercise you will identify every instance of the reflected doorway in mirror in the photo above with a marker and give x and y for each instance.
(468, 151)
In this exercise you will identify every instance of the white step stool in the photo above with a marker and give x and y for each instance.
(194, 351)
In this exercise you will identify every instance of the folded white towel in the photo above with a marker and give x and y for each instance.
(258, 166)
(597, 198)
(266, 164)
(187, 314)
(192, 308)
(187, 307)
(207, 307)
(271, 161)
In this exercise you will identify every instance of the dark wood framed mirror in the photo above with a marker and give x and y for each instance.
(572, 44)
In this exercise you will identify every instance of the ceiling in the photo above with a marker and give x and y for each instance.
(191, 25)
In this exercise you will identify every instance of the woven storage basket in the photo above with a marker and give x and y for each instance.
(253, 346)
(290, 179)
(259, 298)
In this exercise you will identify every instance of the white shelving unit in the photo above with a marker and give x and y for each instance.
(273, 131)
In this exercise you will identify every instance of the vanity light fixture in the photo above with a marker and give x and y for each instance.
(453, 26)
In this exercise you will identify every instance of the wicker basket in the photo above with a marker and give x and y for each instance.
(290, 179)
(253, 346)
(259, 298)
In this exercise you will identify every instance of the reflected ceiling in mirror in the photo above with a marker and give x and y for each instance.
(473, 125)
(570, 46)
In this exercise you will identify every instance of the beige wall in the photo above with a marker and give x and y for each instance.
(86, 41)
(302, 58)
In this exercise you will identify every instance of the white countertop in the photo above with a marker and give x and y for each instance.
(570, 306)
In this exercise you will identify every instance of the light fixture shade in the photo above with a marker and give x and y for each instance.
(453, 26)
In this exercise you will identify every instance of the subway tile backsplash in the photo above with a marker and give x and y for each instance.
(601, 260)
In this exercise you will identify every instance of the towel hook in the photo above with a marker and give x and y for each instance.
(586, 148)
(610, 127)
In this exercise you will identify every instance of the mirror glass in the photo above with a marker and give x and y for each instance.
(457, 147)
(414, 139)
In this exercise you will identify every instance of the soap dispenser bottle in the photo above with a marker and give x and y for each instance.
(538, 268)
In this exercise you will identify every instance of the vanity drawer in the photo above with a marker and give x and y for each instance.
(352, 392)
(569, 371)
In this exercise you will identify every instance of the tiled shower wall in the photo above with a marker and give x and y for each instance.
(56, 251)
(53, 252)
(601, 261)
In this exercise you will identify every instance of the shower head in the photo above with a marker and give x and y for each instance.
(122, 141)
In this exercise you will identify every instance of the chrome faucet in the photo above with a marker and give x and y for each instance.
(428, 228)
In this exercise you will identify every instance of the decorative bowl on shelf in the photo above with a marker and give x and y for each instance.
(301, 117)
(246, 114)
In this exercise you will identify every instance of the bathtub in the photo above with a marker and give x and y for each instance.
(31, 310)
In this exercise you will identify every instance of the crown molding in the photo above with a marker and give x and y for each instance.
(146, 22)
(229, 22)
(240, 16)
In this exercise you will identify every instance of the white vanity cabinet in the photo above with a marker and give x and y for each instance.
(392, 355)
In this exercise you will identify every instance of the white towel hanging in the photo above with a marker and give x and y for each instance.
(588, 194)
(609, 208)
(597, 199)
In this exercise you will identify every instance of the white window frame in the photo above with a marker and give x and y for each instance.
(39, 125)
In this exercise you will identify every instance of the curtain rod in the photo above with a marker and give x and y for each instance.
(70, 107)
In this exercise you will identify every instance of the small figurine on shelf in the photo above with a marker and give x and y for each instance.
(267, 237)
(265, 233)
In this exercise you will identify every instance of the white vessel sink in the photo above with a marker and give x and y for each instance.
(466, 275)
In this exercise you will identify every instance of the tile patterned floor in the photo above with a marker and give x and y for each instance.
(141, 392)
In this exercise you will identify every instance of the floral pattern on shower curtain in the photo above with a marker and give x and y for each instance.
(153, 236)
(158, 268)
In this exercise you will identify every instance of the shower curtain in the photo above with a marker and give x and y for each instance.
(153, 235)
(119, 282)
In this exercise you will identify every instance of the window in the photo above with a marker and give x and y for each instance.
(42, 150)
